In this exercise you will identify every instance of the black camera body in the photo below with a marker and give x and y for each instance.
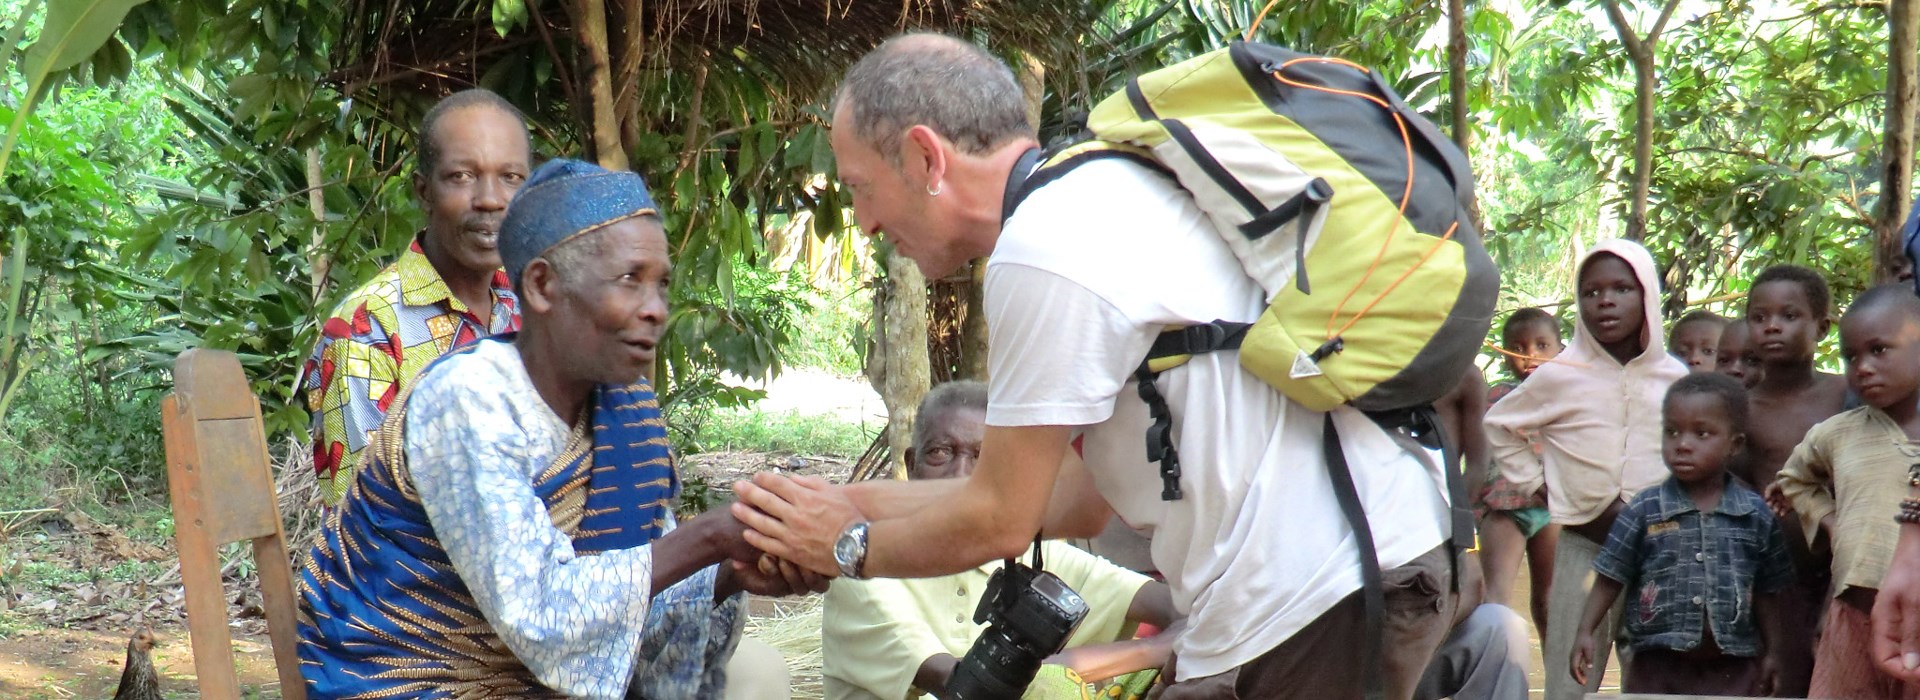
(1029, 616)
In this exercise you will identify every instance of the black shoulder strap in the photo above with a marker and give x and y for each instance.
(1191, 340)
(1017, 182)
(1372, 581)
(1036, 168)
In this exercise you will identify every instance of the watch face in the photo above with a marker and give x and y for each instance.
(846, 549)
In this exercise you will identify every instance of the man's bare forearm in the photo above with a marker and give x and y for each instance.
(962, 532)
(889, 499)
(990, 515)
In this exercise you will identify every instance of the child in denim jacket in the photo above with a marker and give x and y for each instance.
(1700, 557)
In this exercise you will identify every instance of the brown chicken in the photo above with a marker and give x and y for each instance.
(139, 681)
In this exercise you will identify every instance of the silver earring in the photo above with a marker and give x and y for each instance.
(933, 190)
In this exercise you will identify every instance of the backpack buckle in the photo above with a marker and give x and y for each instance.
(1203, 338)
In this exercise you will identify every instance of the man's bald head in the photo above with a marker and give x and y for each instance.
(959, 90)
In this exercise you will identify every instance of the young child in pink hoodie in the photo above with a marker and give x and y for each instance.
(1586, 426)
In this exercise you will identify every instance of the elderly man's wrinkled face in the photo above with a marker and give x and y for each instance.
(483, 161)
(952, 446)
(612, 304)
(888, 202)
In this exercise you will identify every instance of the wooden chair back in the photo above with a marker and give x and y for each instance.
(221, 483)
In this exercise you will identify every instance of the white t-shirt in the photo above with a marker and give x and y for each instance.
(1087, 272)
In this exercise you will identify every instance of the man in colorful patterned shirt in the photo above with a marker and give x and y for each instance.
(446, 290)
(511, 533)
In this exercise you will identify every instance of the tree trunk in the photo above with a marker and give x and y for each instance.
(590, 19)
(900, 370)
(1896, 184)
(318, 262)
(628, 60)
(973, 329)
(973, 334)
(1640, 52)
(690, 141)
(1642, 147)
(1457, 88)
(1457, 72)
(1033, 86)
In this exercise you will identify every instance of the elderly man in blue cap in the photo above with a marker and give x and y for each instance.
(512, 532)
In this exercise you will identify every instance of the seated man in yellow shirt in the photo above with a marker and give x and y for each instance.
(890, 639)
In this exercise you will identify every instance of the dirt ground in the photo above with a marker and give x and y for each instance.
(73, 590)
(58, 663)
(66, 636)
(83, 658)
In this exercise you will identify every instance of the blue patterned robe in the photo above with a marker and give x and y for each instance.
(489, 549)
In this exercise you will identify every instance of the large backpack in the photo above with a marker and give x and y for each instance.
(1350, 211)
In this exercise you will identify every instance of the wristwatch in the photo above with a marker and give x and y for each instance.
(850, 551)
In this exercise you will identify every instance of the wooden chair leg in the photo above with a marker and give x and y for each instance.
(278, 600)
(206, 612)
(199, 556)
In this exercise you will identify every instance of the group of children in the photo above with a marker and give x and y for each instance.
(1629, 470)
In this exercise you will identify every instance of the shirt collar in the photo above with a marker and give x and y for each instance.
(1674, 501)
(422, 285)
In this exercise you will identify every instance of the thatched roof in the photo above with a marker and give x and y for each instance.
(435, 46)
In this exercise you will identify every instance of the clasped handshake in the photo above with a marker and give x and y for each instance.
(780, 534)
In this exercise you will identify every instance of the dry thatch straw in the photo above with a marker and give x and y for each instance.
(302, 507)
(794, 629)
(433, 46)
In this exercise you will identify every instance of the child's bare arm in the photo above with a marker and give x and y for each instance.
(1806, 481)
(1597, 528)
(1099, 662)
(1152, 604)
(1605, 591)
(1473, 436)
(1511, 429)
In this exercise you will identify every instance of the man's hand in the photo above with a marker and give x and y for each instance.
(795, 519)
(1777, 500)
(725, 534)
(1582, 662)
(1896, 611)
(768, 577)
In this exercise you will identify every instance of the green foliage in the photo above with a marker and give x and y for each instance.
(790, 432)
(74, 30)
(698, 495)
(158, 200)
(832, 337)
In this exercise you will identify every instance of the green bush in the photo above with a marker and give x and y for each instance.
(832, 335)
(819, 434)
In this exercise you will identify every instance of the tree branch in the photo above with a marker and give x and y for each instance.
(1829, 7)
(1628, 39)
(553, 54)
(1660, 25)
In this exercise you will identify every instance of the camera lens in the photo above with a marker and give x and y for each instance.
(995, 668)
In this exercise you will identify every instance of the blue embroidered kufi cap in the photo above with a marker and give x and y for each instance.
(564, 199)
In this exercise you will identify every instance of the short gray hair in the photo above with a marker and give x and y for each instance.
(956, 88)
(942, 401)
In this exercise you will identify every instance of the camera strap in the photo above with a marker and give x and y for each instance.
(1009, 566)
